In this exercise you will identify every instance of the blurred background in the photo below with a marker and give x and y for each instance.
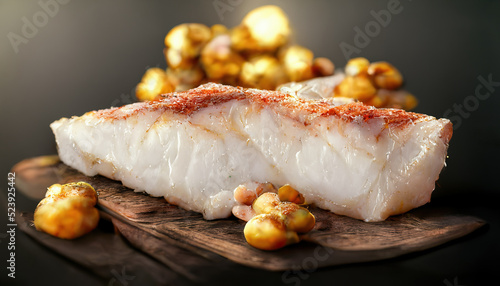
(86, 55)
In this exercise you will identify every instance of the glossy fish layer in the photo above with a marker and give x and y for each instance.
(195, 147)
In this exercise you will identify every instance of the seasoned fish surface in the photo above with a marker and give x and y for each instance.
(195, 147)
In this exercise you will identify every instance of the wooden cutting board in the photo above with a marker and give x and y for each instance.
(335, 239)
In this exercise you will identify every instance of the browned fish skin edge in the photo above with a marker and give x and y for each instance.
(303, 110)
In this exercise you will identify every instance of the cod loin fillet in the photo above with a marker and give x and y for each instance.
(195, 147)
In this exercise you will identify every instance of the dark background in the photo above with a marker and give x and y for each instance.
(91, 54)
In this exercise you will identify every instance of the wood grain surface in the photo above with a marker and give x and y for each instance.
(183, 240)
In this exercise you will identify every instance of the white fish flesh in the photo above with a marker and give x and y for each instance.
(195, 147)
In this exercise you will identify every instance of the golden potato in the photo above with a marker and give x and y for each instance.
(266, 203)
(241, 40)
(357, 87)
(266, 188)
(296, 218)
(377, 101)
(374, 84)
(385, 75)
(244, 196)
(271, 223)
(263, 29)
(322, 67)
(298, 62)
(184, 43)
(67, 211)
(397, 99)
(263, 72)
(357, 67)
(268, 232)
(153, 83)
(184, 79)
(268, 26)
(219, 60)
(288, 194)
(219, 29)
